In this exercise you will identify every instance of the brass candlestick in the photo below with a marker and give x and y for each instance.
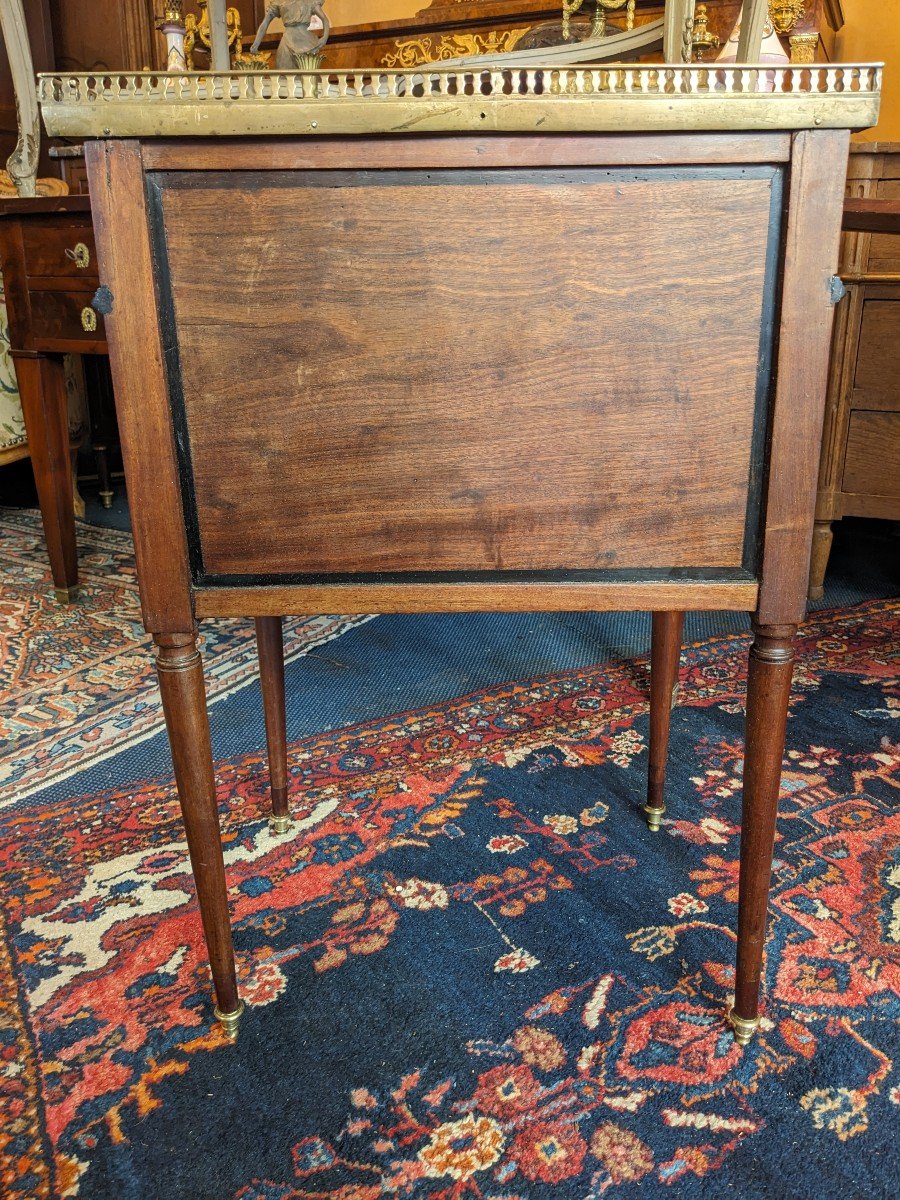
(703, 40)
(598, 28)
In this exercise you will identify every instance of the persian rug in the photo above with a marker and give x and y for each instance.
(77, 685)
(470, 969)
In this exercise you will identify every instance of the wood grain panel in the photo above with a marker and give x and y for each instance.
(56, 317)
(872, 464)
(441, 372)
(818, 178)
(878, 362)
(140, 379)
(474, 597)
(884, 249)
(46, 242)
(453, 150)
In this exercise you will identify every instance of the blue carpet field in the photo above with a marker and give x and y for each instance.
(470, 969)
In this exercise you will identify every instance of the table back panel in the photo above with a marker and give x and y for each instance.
(375, 348)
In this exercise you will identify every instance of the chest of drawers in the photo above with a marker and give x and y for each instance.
(50, 274)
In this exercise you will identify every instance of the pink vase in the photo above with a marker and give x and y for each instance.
(772, 52)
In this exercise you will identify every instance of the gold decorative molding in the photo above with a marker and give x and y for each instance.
(543, 99)
(199, 35)
(598, 28)
(414, 52)
(785, 14)
(804, 47)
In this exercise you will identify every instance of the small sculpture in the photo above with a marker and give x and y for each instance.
(703, 40)
(23, 162)
(299, 44)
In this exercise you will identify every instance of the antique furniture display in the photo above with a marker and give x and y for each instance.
(299, 47)
(221, 42)
(49, 269)
(452, 29)
(13, 436)
(23, 162)
(643, 435)
(49, 266)
(860, 469)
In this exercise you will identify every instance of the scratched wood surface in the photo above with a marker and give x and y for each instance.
(396, 372)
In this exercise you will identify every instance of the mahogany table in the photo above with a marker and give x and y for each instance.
(444, 342)
(49, 266)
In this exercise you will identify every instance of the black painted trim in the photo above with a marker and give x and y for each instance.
(172, 358)
(765, 379)
(613, 575)
(429, 176)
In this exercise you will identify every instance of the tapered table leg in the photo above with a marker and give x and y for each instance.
(768, 694)
(823, 536)
(270, 645)
(101, 409)
(184, 703)
(42, 390)
(665, 652)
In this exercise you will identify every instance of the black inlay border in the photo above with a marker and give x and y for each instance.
(159, 181)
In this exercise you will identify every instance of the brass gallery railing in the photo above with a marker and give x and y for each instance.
(545, 98)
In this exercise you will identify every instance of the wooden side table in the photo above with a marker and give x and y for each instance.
(497, 374)
(49, 265)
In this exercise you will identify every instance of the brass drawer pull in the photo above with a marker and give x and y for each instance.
(80, 256)
(88, 320)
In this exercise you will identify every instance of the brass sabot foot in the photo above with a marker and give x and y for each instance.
(230, 1021)
(280, 824)
(654, 817)
(743, 1029)
(67, 595)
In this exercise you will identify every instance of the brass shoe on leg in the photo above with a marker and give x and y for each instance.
(665, 652)
(744, 1029)
(230, 1021)
(280, 823)
(654, 817)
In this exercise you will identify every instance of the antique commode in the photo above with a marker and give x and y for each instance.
(470, 360)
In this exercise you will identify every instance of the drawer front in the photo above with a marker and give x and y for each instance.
(877, 380)
(60, 248)
(884, 252)
(872, 465)
(57, 317)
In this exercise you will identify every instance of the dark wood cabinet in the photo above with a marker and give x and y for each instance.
(860, 468)
(49, 264)
(80, 35)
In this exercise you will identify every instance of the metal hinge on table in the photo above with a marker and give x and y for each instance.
(103, 300)
(102, 303)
